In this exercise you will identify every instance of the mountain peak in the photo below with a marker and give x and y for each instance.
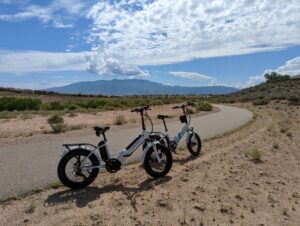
(120, 87)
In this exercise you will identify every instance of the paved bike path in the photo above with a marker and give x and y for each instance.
(32, 163)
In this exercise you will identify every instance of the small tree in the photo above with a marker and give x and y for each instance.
(276, 77)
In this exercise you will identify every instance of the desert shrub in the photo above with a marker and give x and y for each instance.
(204, 106)
(255, 154)
(59, 128)
(113, 104)
(260, 102)
(55, 119)
(55, 106)
(19, 104)
(57, 124)
(82, 104)
(31, 208)
(119, 120)
(72, 107)
(98, 103)
(294, 99)
(191, 111)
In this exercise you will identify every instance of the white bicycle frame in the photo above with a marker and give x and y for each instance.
(126, 152)
(184, 130)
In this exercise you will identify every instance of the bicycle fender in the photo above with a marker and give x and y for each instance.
(188, 134)
(145, 151)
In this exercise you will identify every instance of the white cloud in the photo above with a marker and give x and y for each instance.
(254, 80)
(101, 63)
(37, 61)
(34, 61)
(291, 67)
(163, 31)
(59, 13)
(190, 75)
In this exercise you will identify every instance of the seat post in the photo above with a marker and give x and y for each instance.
(143, 121)
(104, 137)
(166, 129)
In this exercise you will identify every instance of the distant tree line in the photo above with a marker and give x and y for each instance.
(276, 77)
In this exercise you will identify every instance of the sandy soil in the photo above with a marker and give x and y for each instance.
(18, 127)
(224, 186)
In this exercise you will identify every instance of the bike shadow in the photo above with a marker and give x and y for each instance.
(82, 197)
(187, 159)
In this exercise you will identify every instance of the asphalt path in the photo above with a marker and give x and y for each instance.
(31, 163)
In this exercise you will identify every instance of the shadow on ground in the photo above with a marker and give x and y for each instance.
(84, 196)
(187, 159)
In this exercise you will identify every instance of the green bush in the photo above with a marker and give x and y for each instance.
(190, 111)
(55, 119)
(59, 128)
(255, 154)
(114, 104)
(204, 106)
(275, 77)
(98, 103)
(120, 120)
(55, 106)
(57, 124)
(72, 107)
(19, 104)
(260, 102)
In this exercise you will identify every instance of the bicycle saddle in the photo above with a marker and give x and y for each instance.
(162, 116)
(101, 129)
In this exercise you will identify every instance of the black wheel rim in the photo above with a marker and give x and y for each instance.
(78, 168)
(156, 166)
(194, 143)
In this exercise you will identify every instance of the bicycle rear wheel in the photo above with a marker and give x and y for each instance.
(78, 168)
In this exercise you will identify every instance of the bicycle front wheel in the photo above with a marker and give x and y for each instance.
(194, 144)
(158, 163)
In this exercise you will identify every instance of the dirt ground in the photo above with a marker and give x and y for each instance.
(223, 186)
(35, 124)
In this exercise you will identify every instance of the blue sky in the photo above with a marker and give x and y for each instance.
(185, 42)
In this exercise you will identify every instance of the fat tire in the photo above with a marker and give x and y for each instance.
(189, 144)
(62, 165)
(168, 166)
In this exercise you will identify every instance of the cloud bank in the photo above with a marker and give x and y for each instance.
(159, 32)
(59, 13)
(190, 75)
(291, 67)
(35, 61)
(127, 34)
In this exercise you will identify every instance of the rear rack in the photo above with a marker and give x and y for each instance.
(68, 146)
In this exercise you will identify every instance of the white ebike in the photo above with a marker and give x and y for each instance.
(80, 163)
(192, 141)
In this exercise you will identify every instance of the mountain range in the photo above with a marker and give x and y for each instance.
(117, 87)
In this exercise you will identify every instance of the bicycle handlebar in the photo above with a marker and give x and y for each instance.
(183, 106)
(141, 109)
